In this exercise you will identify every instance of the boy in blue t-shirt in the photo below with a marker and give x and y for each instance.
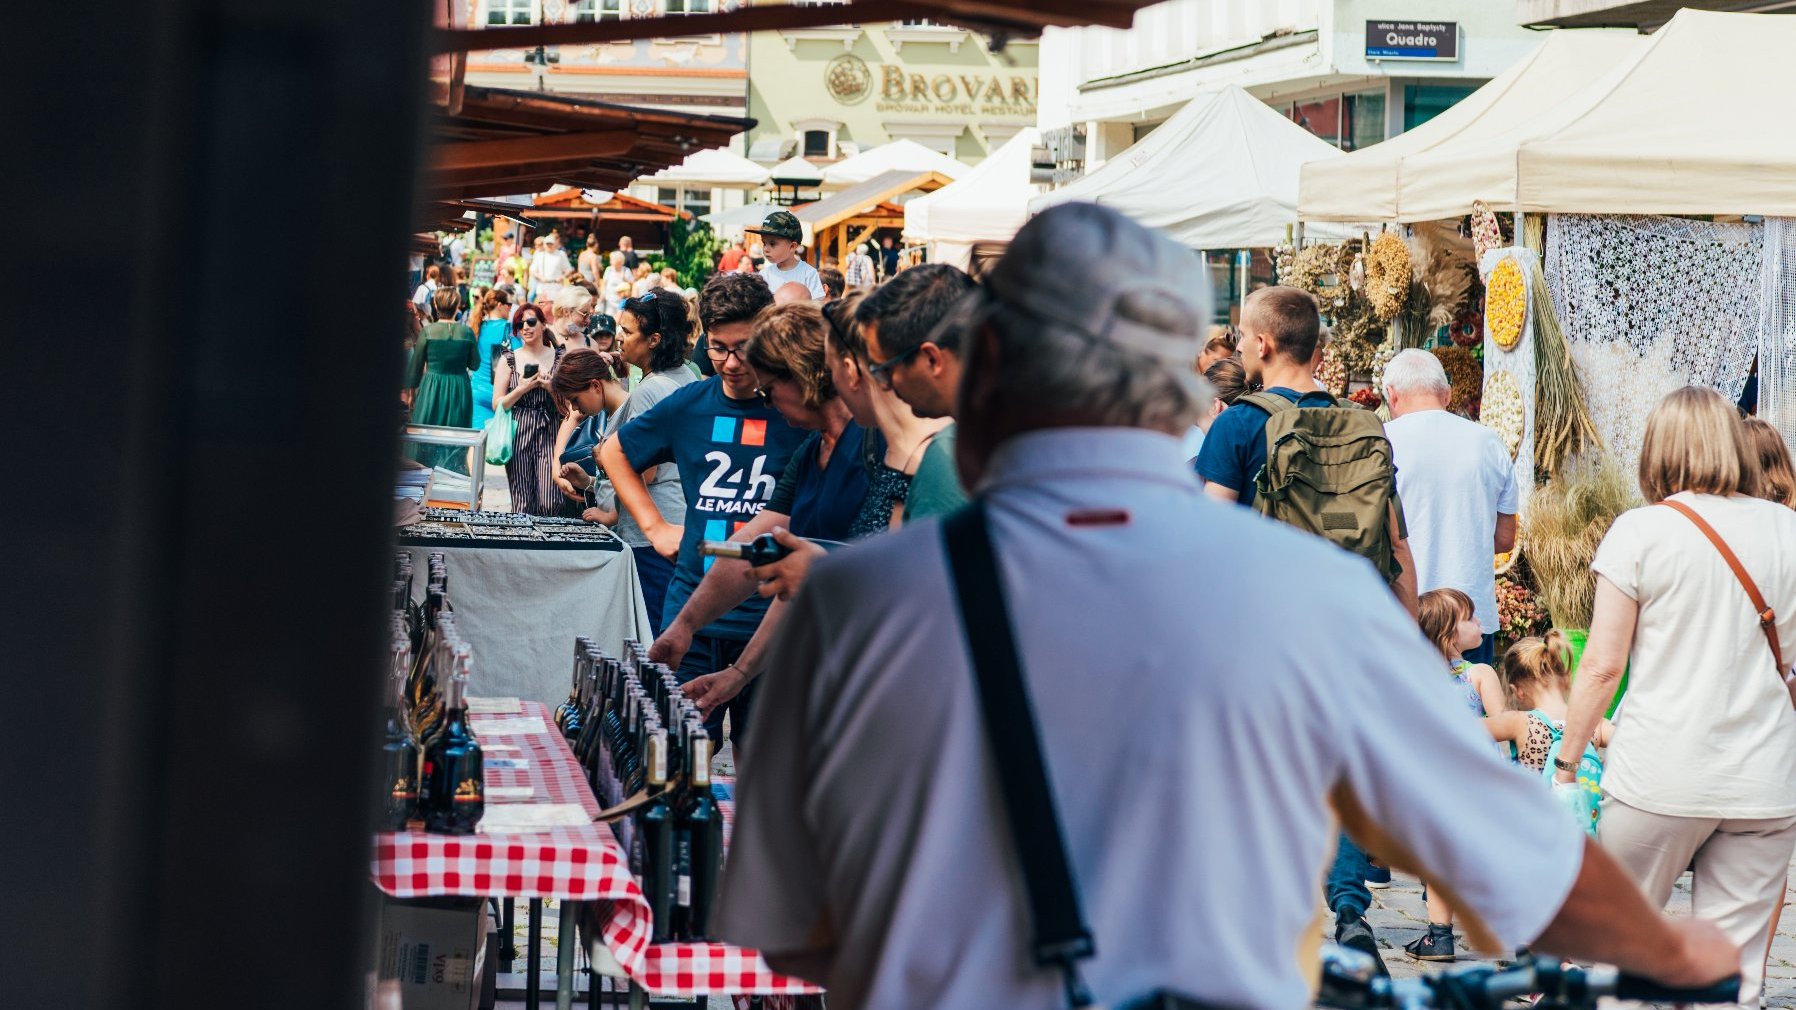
(730, 448)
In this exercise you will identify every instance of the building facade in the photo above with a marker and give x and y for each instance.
(1352, 72)
(827, 93)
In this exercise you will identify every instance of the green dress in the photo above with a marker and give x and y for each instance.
(442, 359)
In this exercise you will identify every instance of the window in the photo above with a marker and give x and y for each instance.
(688, 6)
(697, 202)
(816, 143)
(1362, 120)
(599, 10)
(1422, 102)
(510, 12)
(1320, 116)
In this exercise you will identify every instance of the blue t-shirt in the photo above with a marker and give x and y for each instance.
(1235, 449)
(823, 502)
(730, 454)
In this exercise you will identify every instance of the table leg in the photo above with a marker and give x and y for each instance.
(508, 948)
(533, 950)
(639, 997)
(565, 942)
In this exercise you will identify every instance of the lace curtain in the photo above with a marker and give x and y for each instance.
(1777, 328)
(1650, 304)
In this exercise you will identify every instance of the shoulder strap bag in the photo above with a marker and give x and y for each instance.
(1767, 616)
(1061, 937)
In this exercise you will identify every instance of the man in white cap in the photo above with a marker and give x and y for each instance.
(859, 272)
(1212, 694)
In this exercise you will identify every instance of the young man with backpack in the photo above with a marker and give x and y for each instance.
(1292, 452)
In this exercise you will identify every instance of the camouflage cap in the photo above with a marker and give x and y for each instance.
(780, 224)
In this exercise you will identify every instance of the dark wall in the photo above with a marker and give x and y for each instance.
(196, 504)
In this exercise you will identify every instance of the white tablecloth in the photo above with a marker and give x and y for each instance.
(520, 609)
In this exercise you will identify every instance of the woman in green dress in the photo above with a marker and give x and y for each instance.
(443, 395)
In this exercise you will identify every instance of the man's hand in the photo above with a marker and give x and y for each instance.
(665, 539)
(671, 647)
(573, 480)
(784, 577)
(714, 690)
(600, 516)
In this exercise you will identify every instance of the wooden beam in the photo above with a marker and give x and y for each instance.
(865, 234)
(742, 19)
(524, 150)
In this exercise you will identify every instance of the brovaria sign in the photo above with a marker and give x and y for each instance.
(901, 90)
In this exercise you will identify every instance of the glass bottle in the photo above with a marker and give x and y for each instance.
(699, 843)
(655, 827)
(399, 756)
(455, 773)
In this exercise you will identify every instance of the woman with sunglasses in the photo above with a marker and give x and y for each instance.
(655, 330)
(535, 414)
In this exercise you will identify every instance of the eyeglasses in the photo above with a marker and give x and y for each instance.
(882, 370)
(764, 396)
(719, 354)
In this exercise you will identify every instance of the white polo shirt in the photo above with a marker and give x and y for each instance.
(1203, 681)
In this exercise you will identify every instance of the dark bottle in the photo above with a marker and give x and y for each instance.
(454, 772)
(762, 550)
(567, 714)
(399, 757)
(698, 831)
(656, 831)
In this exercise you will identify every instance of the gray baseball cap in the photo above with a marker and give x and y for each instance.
(1127, 274)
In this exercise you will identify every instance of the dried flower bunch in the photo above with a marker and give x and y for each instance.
(1519, 613)
(1388, 276)
(1506, 304)
(1563, 427)
(1487, 234)
(1565, 519)
(1466, 375)
(1502, 409)
(1330, 372)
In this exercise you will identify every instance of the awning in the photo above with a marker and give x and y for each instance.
(504, 142)
(898, 156)
(714, 168)
(839, 207)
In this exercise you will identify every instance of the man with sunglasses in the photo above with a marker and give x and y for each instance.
(730, 447)
(907, 355)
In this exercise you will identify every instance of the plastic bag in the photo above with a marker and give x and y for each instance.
(499, 431)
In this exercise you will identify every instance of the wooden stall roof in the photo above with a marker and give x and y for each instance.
(502, 142)
(1002, 19)
(839, 207)
(571, 203)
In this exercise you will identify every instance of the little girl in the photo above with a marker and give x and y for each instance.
(1536, 683)
(1448, 619)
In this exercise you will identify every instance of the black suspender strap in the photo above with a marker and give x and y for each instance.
(1061, 937)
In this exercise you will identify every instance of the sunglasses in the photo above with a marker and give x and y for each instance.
(529, 321)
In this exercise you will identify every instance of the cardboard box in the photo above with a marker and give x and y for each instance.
(436, 949)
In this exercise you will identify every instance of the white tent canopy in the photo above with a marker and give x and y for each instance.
(1363, 185)
(714, 168)
(1220, 174)
(1698, 124)
(796, 169)
(897, 156)
(988, 204)
(1686, 124)
(729, 223)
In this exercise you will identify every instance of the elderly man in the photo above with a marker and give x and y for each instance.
(1458, 486)
(1193, 762)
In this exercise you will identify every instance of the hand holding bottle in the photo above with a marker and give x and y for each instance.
(784, 577)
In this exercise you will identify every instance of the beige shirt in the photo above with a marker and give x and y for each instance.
(1706, 729)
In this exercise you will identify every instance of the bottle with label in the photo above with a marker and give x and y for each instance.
(399, 757)
(698, 834)
(655, 828)
(454, 771)
(567, 714)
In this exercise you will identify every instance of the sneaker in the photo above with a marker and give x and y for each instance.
(1355, 933)
(1434, 945)
(1378, 877)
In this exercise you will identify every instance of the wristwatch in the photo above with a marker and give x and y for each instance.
(1565, 766)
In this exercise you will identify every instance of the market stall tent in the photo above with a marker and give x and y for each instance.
(898, 156)
(1690, 123)
(1698, 124)
(712, 168)
(839, 222)
(1220, 174)
(1363, 185)
(987, 205)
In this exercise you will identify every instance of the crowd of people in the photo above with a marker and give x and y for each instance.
(1351, 713)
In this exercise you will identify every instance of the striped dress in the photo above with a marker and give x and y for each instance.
(531, 471)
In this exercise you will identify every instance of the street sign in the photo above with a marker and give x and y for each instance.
(1412, 40)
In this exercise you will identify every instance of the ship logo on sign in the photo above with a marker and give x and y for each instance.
(848, 79)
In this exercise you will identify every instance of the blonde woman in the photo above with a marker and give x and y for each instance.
(1702, 769)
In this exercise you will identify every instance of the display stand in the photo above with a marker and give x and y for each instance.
(471, 439)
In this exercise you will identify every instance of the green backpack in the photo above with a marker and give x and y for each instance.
(1329, 472)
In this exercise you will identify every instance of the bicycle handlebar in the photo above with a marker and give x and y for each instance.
(1350, 982)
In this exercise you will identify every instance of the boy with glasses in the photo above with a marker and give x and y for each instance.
(731, 448)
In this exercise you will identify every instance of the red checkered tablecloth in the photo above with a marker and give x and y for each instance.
(572, 864)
